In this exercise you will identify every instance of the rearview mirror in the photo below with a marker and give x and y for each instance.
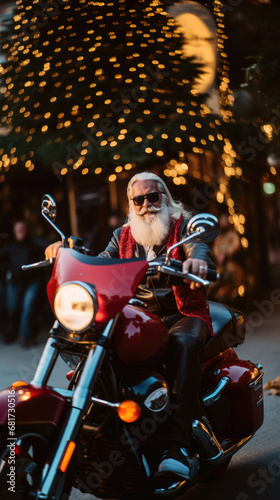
(48, 211)
(48, 207)
(205, 225)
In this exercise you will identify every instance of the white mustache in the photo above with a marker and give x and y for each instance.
(144, 211)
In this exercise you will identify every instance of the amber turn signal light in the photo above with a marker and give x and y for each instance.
(18, 383)
(129, 411)
(67, 456)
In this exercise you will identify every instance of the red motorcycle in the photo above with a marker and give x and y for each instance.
(103, 433)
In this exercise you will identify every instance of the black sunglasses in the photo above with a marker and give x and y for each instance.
(151, 197)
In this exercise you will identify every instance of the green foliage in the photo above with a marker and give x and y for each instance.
(94, 84)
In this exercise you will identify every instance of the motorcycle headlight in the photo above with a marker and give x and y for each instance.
(75, 306)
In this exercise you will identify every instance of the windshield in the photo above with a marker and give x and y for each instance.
(115, 280)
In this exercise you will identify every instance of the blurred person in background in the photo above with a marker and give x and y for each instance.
(22, 287)
(114, 221)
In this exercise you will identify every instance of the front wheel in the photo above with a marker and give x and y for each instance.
(22, 466)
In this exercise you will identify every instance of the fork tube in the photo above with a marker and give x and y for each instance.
(46, 363)
(82, 394)
(80, 404)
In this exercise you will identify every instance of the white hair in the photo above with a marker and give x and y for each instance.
(176, 208)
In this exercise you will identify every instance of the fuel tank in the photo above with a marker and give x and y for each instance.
(140, 336)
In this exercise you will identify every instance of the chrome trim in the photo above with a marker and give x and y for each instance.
(104, 403)
(48, 205)
(137, 303)
(259, 402)
(214, 395)
(63, 392)
(177, 486)
(44, 213)
(259, 366)
(166, 269)
(74, 423)
(41, 263)
(159, 394)
(46, 364)
(230, 451)
(90, 372)
(146, 466)
(210, 445)
(207, 441)
(154, 263)
(257, 382)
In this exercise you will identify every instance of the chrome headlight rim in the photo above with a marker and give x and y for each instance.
(92, 292)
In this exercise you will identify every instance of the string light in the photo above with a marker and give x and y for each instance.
(70, 73)
(228, 156)
(52, 65)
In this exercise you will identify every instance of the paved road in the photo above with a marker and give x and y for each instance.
(254, 473)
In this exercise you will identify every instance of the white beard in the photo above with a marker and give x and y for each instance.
(151, 230)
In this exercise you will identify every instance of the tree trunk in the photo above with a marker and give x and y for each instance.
(72, 205)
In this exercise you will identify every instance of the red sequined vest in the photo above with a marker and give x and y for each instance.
(189, 302)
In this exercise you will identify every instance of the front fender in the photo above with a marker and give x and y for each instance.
(27, 404)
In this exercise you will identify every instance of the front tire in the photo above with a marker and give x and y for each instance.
(22, 467)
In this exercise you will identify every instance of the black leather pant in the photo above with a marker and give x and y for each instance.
(184, 367)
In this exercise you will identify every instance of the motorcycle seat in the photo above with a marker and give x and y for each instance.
(228, 327)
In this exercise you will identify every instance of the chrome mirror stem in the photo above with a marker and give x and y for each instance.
(190, 237)
(44, 214)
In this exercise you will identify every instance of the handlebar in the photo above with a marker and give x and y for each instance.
(42, 263)
(72, 242)
(212, 275)
(176, 276)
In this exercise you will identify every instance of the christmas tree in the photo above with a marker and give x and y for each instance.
(97, 85)
(90, 86)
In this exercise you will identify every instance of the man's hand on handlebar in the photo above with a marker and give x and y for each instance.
(197, 267)
(51, 250)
